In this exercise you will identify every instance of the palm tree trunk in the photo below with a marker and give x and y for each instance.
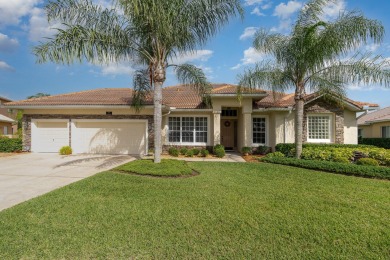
(157, 120)
(299, 106)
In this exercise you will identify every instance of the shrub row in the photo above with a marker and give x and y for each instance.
(380, 142)
(173, 151)
(262, 149)
(9, 145)
(334, 167)
(288, 149)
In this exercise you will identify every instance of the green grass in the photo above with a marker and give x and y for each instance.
(165, 168)
(229, 211)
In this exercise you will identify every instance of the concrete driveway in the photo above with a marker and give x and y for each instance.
(25, 176)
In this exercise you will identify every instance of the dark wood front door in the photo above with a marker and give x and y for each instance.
(227, 133)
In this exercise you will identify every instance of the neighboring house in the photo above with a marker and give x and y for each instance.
(102, 120)
(375, 124)
(6, 119)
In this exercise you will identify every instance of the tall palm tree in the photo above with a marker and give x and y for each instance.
(313, 57)
(150, 33)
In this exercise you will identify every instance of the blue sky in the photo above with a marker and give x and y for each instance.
(23, 25)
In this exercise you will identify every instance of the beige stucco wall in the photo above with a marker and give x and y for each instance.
(373, 130)
(350, 127)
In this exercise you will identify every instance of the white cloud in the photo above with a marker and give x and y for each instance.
(5, 66)
(117, 69)
(284, 11)
(11, 11)
(372, 47)
(198, 55)
(266, 6)
(333, 10)
(253, 2)
(284, 25)
(249, 32)
(7, 44)
(251, 56)
(39, 27)
(256, 11)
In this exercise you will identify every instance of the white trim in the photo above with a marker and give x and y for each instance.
(266, 117)
(187, 143)
(331, 128)
(189, 110)
(73, 106)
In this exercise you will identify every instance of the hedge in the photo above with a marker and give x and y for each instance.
(9, 145)
(334, 167)
(380, 142)
(287, 148)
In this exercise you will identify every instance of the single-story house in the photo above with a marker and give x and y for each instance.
(375, 124)
(6, 122)
(103, 121)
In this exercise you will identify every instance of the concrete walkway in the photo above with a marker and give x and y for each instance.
(25, 176)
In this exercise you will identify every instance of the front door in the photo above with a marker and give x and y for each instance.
(227, 133)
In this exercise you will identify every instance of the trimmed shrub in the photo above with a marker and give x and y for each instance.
(183, 150)
(196, 151)
(287, 149)
(380, 142)
(275, 154)
(204, 152)
(66, 150)
(367, 161)
(334, 167)
(246, 150)
(190, 153)
(263, 149)
(10, 145)
(173, 152)
(219, 150)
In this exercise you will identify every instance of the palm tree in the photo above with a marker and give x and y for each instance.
(149, 33)
(314, 58)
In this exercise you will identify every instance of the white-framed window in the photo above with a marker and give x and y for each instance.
(360, 132)
(259, 130)
(319, 128)
(385, 131)
(188, 130)
(5, 130)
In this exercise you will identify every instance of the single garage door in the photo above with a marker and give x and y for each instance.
(48, 136)
(109, 136)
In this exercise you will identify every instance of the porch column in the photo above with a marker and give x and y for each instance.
(217, 127)
(247, 116)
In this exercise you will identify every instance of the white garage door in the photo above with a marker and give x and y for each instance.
(49, 136)
(109, 136)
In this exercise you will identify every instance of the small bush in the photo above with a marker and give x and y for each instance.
(196, 151)
(66, 150)
(287, 149)
(367, 162)
(275, 154)
(340, 160)
(183, 150)
(204, 152)
(246, 150)
(219, 150)
(190, 153)
(10, 145)
(173, 152)
(334, 167)
(262, 149)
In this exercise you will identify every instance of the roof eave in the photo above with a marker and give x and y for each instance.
(71, 106)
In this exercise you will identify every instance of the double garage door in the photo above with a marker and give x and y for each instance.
(90, 136)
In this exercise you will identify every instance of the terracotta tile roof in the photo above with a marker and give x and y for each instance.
(5, 99)
(377, 116)
(180, 96)
(105, 96)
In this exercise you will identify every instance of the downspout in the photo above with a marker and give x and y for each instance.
(285, 124)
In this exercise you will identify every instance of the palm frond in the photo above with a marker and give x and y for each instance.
(195, 78)
(271, 43)
(143, 88)
(311, 12)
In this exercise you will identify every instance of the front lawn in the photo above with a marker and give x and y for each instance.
(167, 167)
(230, 210)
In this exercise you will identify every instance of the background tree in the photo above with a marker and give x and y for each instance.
(313, 58)
(150, 33)
(38, 95)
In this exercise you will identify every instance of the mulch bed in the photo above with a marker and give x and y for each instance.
(252, 158)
